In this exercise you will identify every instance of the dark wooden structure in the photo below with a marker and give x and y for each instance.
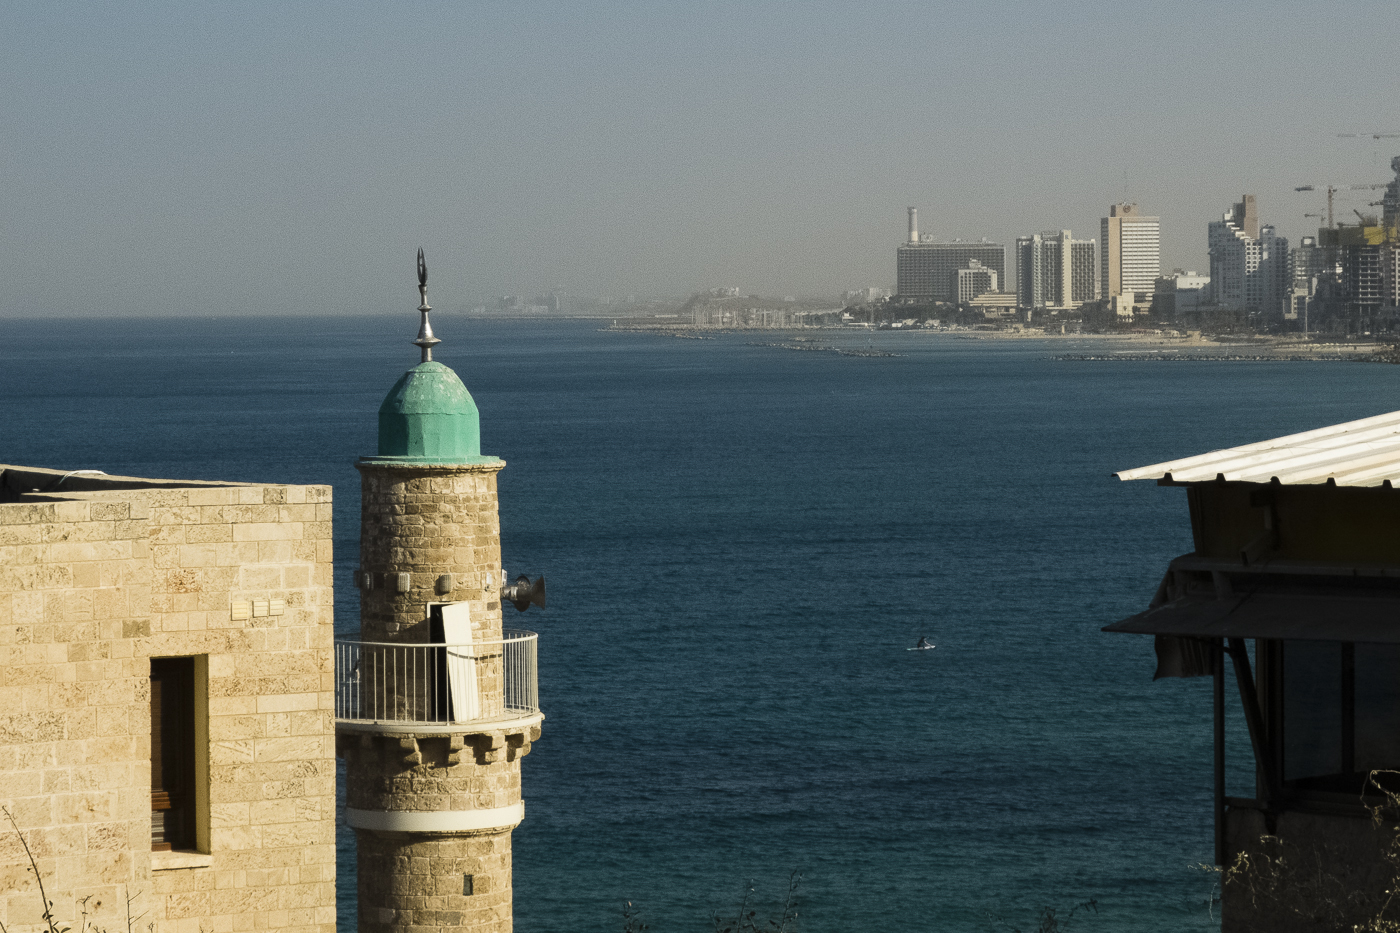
(1297, 556)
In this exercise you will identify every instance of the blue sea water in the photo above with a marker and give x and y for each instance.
(740, 543)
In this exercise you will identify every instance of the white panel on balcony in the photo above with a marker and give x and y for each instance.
(461, 662)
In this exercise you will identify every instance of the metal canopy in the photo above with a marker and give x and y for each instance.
(1202, 597)
(1310, 617)
(1355, 453)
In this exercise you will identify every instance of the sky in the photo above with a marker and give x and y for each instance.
(258, 158)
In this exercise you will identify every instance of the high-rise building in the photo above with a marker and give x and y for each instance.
(1307, 269)
(1390, 255)
(1363, 275)
(1306, 261)
(973, 281)
(926, 269)
(1390, 209)
(1359, 278)
(1249, 263)
(1390, 272)
(1132, 252)
(1055, 271)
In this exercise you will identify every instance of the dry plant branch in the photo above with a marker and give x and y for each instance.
(1308, 884)
(49, 919)
(746, 920)
(34, 867)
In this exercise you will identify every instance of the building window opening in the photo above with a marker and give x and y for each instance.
(172, 754)
(1341, 713)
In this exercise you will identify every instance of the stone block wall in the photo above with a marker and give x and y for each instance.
(434, 807)
(412, 881)
(419, 882)
(429, 521)
(453, 772)
(99, 576)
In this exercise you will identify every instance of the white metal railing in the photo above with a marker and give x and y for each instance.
(436, 683)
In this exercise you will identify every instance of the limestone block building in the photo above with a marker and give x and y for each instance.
(166, 703)
(172, 696)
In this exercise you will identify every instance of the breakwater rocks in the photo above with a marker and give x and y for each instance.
(1250, 352)
(659, 331)
(1386, 355)
(823, 348)
(1218, 357)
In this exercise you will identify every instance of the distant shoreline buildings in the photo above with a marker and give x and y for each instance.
(1344, 280)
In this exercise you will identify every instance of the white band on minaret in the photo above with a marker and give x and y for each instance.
(436, 821)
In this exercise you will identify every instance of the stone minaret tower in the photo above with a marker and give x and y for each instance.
(435, 705)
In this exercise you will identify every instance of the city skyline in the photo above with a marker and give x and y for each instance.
(171, 160)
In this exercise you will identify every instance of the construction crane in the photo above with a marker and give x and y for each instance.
(1375, 142)
(1332, 190)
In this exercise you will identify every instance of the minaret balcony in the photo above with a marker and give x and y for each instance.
(437, 688)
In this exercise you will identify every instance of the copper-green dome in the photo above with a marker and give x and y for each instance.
(429, 416)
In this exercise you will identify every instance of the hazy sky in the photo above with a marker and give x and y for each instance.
(281, 158)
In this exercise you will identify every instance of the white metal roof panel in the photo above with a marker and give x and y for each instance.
(1356, 453)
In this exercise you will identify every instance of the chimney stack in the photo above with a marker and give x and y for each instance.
(913, 225)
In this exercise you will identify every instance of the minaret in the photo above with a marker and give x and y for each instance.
(436, 705)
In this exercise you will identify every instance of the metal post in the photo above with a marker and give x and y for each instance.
(1218, 683)
(1348, 723)
(1254, 719)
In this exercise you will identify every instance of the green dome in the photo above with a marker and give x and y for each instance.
(429, 416)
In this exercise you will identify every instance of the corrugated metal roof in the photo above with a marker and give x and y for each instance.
(1357, 453)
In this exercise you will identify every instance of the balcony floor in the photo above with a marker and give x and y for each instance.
(510, 721)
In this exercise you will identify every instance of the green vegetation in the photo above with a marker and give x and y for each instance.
(1319, 889)
(1050, 919)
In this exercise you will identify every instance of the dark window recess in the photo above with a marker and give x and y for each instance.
(439, 699)
(172, 754)
(1341, 713)
(1376, 683)
(1312, 709)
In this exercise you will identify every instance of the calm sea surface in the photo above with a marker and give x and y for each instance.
(740, 543)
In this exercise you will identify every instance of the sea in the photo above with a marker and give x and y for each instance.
(740, 544)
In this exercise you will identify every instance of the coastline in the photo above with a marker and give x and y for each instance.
(1158, 347)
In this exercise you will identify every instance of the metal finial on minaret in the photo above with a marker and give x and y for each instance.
(425, 339)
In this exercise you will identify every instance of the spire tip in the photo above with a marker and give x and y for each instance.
(425, 340)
